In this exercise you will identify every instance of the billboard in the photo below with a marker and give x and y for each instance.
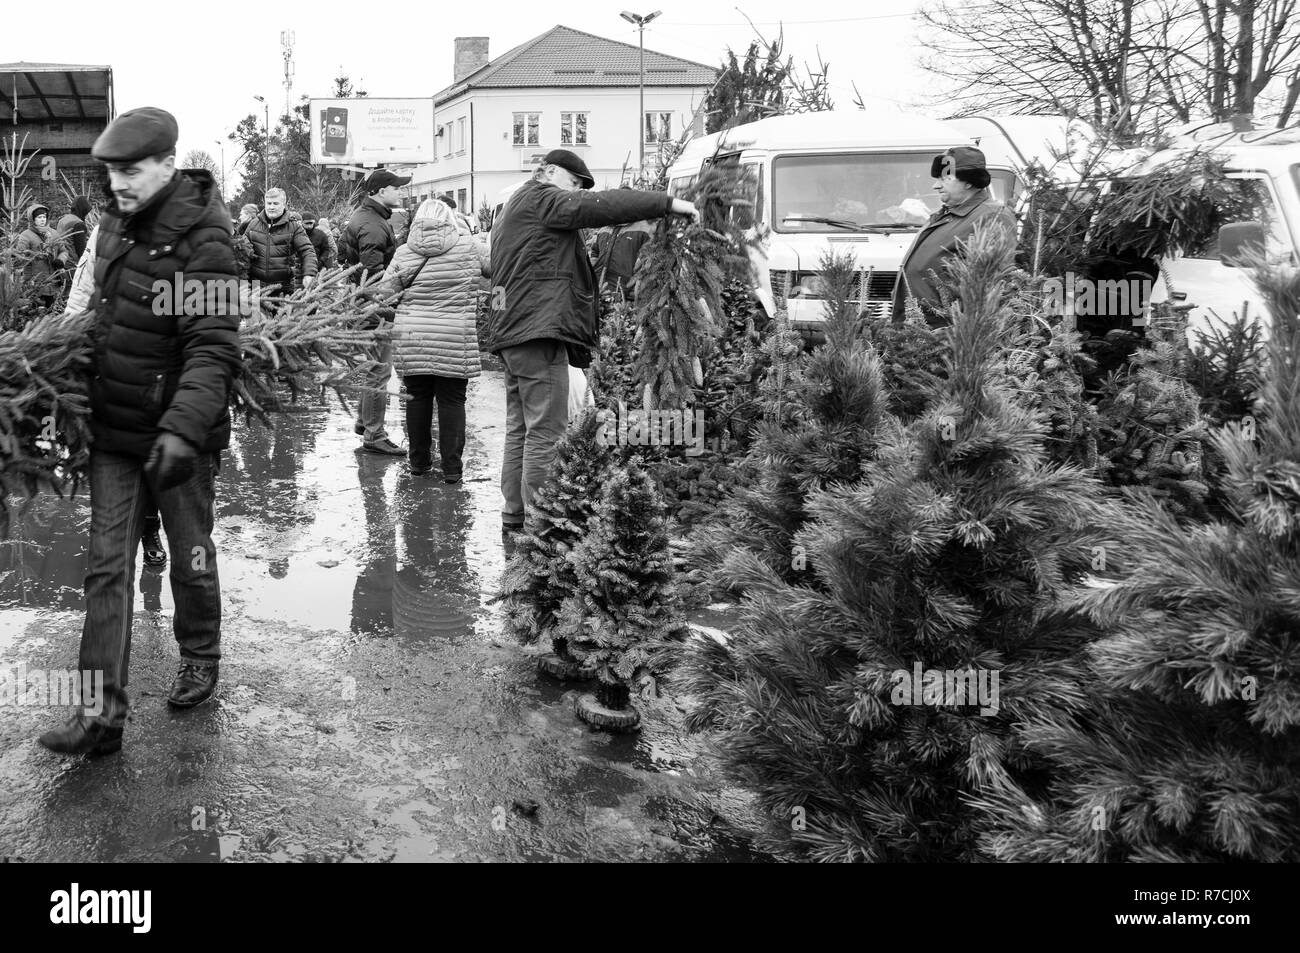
(370, 131)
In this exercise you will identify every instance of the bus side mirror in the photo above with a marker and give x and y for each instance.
(1240, 243)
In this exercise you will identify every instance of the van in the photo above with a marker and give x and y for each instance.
(842, 181)
(1207, 277)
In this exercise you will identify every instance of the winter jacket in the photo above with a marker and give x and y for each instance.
(162, 372)
(925, 265)
(322, 244)
(543, 283)
(38, 245)
(368, 240)
(435, 329)
(278, 247)
(73, 230)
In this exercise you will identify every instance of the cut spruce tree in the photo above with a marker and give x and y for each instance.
(951, 562)
(540, 574)
(817, 433)
(623, 616)
(1189, 748)
(681, 272)
(315, 340)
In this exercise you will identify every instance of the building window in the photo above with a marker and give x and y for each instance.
(460, 135)
(573, 129)
(461, 199)
(446, 137)
(658, 126)
(526, 129)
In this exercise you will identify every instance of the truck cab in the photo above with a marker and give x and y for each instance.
(1211, 277)
(1208, 277)
(854, 181)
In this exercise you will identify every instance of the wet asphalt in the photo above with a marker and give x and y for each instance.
(369, 708)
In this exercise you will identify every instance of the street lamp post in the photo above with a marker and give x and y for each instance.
(640, 22)
(222, 146)
(266, 147)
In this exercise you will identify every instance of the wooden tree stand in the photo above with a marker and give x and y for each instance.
(558, 663)
(608, 708)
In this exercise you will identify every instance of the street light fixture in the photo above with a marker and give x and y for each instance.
(266, 147)
(640, 21)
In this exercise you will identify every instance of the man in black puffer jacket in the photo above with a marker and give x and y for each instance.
(159, 413)
(280, 246)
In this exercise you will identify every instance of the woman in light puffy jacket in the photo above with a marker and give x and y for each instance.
(435, 338)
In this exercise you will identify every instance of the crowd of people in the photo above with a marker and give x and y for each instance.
(155, 460)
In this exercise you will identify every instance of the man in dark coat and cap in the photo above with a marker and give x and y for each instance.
(158, 413)
(545, 307)
(962, 180)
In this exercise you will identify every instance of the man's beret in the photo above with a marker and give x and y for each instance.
(136, 134)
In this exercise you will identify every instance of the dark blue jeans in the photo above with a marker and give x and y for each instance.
(449, 392)
(119, 498)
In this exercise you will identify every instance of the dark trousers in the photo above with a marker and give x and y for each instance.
(449, 392)
(118, 501)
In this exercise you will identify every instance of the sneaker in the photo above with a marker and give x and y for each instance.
(82, 735)
(384, 446)
(452, 478)
(418, 471)
(154, 554)
(195, 682)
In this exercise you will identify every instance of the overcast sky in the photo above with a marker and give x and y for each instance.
(205, 62)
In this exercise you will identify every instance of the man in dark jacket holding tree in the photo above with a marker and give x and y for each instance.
(158, 412)
(368, 241)
(545, 307)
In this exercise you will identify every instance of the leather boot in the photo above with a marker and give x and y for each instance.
(82, 735)
(195, 682)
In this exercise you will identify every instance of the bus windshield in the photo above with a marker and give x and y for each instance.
(858, 191)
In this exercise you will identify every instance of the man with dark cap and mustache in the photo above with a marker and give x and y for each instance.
(158, 413)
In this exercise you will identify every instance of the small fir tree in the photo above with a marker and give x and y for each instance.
(820, 435)
(955, 552)
(1189, 749)
(623, 613)
(540, 574)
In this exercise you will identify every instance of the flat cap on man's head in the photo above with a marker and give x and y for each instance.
(567, 160)
(382, 179)
(957, 159)
(137, 134)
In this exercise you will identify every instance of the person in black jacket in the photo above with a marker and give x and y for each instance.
(72, 227)
(368, 241)
(159, 413)
(545, 307)
(281, 247)
(321, 242)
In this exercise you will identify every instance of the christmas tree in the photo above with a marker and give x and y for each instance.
(540, 575)
(817, 434)
(680, 275)
(1189, 749)
(623, 614)
(949, 563)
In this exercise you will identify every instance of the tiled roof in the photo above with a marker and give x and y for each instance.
(563, 56)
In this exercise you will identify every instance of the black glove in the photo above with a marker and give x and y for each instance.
(170, 462)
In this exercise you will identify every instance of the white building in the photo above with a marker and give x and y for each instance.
(564, 89)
